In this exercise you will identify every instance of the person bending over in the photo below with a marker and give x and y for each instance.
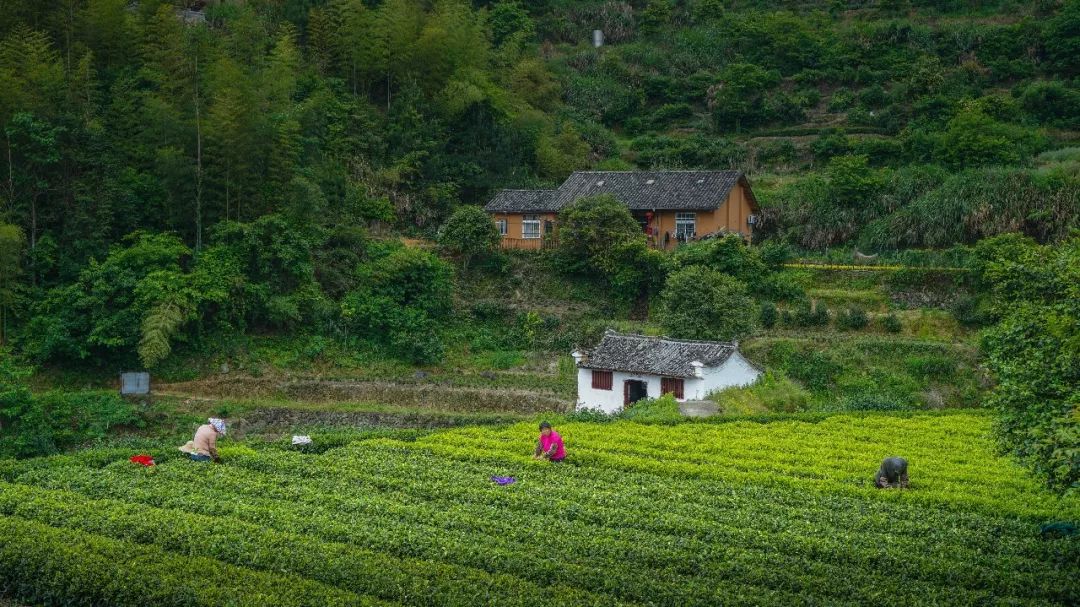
(203, 448)
(550, 445)
(892, 474)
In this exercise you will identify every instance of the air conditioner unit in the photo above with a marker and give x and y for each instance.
(752, 220)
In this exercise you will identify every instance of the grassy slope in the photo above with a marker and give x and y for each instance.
(932, 362)
(697, 513)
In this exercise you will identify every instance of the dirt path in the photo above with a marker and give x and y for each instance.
(420, 395)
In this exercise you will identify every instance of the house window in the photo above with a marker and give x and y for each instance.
(501, 224)
(672, 385)
(601, 380)
(685, 224)
(530, 226)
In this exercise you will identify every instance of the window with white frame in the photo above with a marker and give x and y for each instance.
(530, 226)
(685, 224)
(501, 224)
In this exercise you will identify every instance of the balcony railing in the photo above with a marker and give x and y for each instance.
(534, 244)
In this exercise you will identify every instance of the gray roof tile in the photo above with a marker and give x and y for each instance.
(648, 190)
(639, 190)
(523, 201)
(655, 355)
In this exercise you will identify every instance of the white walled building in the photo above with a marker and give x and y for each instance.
(625, 368)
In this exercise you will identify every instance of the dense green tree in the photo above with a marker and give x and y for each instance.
(1062, 39)
(1034, 351)
(591, 230)
(599, 238)
(701, 303)
(469, 234)
(738, 100)
(972, 138)
(402, 296)
(510, 22)
(12, 243)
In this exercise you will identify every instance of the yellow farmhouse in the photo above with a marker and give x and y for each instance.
(671, 206)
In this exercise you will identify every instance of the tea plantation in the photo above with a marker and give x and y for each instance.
(730, 513)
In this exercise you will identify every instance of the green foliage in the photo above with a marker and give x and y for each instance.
(510, 22)
(890, 323)
(773, 392)
(740, 100)
(852, 319)
(662, 410)
(32, 425)
(768, 315)
(12, 243)
(851, 181)
(931, 366)
(560, 154)
(701, 303)
(469, 233)
(811, 314)
(402, 296)
(1062, 39)
(1034, 351)
(599, 237)
(972, 138)
(104, 310)
(344, 514)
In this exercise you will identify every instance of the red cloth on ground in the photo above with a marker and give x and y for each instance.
(142, 460)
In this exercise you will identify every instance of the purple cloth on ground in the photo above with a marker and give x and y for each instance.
(502, 480)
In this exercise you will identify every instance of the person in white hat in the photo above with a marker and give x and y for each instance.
(203, 448)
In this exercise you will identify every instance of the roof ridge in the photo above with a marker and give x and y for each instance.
(670, 339)
(667, 171)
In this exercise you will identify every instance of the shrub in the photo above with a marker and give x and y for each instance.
(1034, 351)
(599, 237)
(772, 392)
(890, 323)
(767, 316)
(662, 410)
(40, 425)
(816, 370)
(930, 366)
(469, 233)
(852, 319)
(401, 298)
(701, 303)
(969, 311)
(811, 315)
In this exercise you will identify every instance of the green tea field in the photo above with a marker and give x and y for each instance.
(726, 513)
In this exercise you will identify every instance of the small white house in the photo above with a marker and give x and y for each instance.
(625, 368)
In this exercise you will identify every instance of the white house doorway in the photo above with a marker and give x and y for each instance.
(634, 390)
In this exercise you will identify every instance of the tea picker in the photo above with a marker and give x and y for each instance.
(892, 474)
(203, 447)
(550, 445)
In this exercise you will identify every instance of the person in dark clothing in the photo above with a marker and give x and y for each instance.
(892, 474)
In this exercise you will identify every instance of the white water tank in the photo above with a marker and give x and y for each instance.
(597, 38)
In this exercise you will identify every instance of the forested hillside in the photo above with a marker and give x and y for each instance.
(184, 182)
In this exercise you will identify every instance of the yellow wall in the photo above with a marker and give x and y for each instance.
(513, 229)
(730, 216)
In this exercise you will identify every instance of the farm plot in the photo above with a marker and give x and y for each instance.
(694, 514)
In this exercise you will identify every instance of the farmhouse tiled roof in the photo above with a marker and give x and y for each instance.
(656, 355)
(523, 201)
(653, 190)
(639, 190)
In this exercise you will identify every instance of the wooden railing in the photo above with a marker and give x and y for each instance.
(534, 244)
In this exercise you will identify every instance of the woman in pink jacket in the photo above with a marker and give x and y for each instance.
(550, 445)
